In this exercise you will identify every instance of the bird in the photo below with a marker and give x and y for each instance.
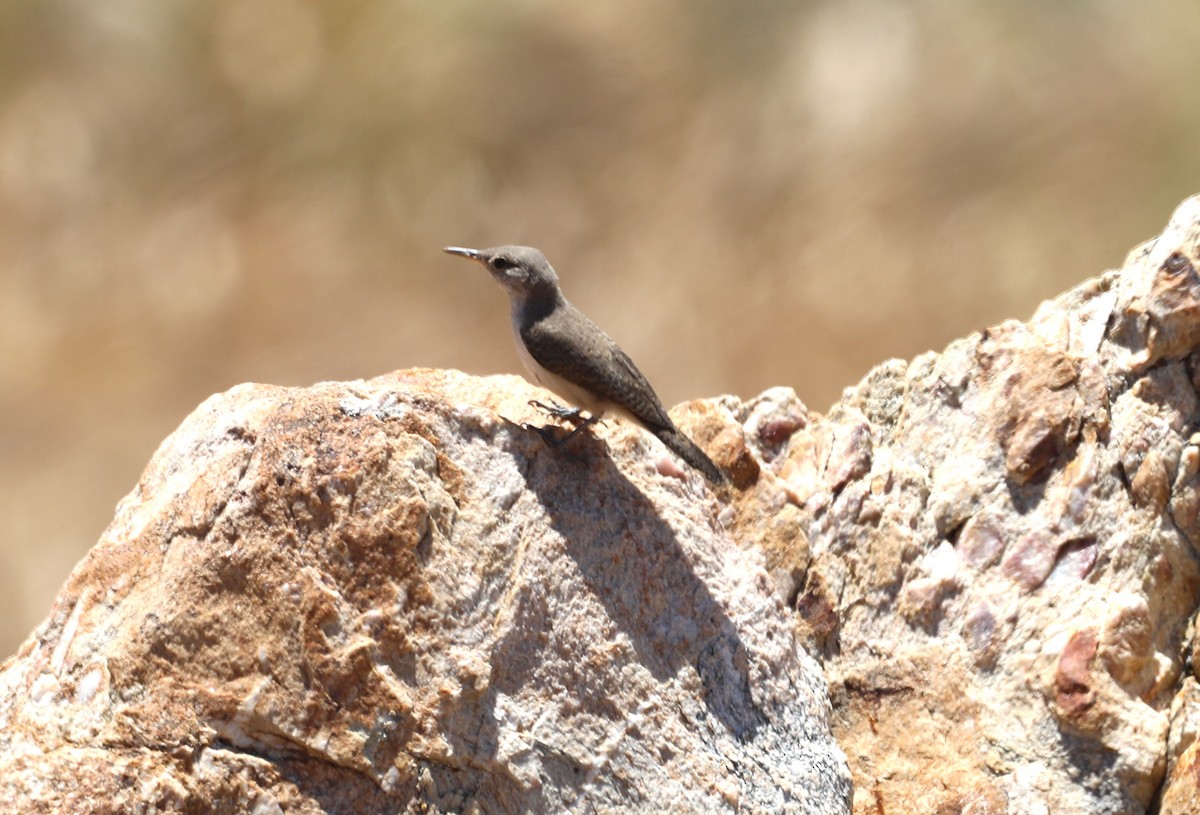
(569, 355)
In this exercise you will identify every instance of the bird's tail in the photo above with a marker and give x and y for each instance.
(687, 450)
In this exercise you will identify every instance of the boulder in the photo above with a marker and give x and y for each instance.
(386, 596)
(969, 588)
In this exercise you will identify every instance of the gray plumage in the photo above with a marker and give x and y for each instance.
(570, 355)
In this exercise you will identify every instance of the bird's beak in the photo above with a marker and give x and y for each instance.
(473, 254)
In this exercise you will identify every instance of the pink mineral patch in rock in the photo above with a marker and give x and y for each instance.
(1030, 560)
(980, 543)
(667, 465)
(1073, 692)
(1075, 561)
(778, 430)
(774, 417)
(850, 456)
(981, 633)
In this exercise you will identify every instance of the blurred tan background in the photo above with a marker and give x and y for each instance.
(195, 194)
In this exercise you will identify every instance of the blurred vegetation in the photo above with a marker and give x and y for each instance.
(202, 192)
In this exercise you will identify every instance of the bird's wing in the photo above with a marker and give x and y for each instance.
(592, 360)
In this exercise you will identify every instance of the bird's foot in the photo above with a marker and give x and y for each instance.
(556, 410)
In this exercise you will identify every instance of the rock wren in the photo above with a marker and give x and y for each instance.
(570, 355)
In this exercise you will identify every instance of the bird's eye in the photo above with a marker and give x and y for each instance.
(502, 264)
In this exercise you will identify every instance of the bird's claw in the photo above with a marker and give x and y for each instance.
(556, 410)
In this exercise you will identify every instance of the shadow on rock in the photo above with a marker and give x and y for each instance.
(634, 563)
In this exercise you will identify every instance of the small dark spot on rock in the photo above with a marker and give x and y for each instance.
(744, 470)
(1177, 264)
(776, 431)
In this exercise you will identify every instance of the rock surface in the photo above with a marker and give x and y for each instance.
(386, 596)
(383, 597)
(1001, 569)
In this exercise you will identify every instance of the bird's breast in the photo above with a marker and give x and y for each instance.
(563, 388)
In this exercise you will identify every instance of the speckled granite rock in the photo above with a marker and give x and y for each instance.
(1000, 563)
(384, 597)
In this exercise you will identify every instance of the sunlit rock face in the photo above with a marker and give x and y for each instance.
(366, 596)
(968, 588)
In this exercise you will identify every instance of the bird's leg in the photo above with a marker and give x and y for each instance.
(547, 433)
(571, 414)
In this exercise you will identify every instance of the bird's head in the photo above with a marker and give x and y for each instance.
(522, 270)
